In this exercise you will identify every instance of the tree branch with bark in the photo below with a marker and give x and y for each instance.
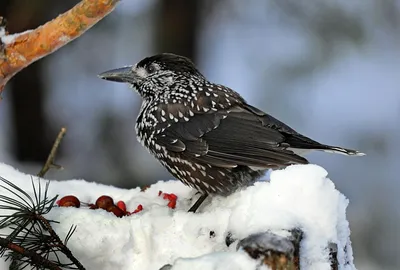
(20, 50)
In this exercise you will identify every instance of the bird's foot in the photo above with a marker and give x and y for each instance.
(197, 204)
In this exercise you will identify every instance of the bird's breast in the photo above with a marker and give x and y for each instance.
(145, 124)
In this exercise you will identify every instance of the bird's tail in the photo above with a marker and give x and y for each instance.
(339, 150)
(302, 143)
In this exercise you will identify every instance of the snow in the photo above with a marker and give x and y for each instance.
(300, 196)
(8, 39)
(2, 32)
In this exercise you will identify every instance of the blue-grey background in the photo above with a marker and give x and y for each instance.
(329, 69)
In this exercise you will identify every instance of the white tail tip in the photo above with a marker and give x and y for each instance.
(344, 151)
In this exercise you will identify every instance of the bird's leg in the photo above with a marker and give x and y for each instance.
(197, 204)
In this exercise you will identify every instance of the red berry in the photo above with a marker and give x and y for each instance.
(172, 204)
(138, 209)
(104, 202)
(69, 200)
(170, 197)
(115, 210)
(159, 193)
(121, 205)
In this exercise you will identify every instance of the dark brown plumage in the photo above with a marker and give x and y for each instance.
(206, 134)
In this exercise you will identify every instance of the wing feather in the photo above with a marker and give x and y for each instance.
(228, 136)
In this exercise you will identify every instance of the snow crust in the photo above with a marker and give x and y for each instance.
(300, 196)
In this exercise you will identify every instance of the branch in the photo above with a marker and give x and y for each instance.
(20, 50)
(29, 237)
(61, 245)
(36, 259)
(50, 160)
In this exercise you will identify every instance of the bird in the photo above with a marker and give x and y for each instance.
(206, 134)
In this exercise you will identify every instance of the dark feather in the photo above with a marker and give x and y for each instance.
(228, 138)
(171, 62)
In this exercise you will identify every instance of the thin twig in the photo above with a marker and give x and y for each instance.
(36, 259)
(50, 160)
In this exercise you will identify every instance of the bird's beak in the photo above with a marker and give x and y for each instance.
(124, 74)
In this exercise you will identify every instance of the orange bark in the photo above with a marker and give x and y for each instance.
(25, 48)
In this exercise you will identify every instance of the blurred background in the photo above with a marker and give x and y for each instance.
(330, 69)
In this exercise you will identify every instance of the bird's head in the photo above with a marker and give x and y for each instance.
(154, 74)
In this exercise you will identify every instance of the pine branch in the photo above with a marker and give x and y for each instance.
(62, 246)
(32, 240)
(35, 258)
(21, 50)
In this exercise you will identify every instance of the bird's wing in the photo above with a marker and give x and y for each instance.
(222, 130)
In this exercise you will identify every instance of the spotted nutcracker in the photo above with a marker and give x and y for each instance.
(206, 134)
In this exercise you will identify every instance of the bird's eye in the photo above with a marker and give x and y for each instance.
(150, 69)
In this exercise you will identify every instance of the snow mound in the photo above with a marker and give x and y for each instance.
(300, 196)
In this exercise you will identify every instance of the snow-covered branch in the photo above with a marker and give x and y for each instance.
(20, 50)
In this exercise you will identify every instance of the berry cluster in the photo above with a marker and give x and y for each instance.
(107, 203)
